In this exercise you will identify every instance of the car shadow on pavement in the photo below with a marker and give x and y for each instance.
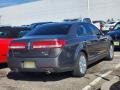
(3, 65)
(117, 49)
(39, 76)
(44, 77)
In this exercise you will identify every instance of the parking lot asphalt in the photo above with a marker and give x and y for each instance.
(97, 74)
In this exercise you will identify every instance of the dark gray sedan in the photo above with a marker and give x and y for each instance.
(60, 47)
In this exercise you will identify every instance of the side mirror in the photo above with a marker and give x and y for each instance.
(99, 34)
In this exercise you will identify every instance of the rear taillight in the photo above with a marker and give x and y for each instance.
(18, 45)
(48, 44)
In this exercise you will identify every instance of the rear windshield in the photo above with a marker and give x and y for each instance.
(50, 29)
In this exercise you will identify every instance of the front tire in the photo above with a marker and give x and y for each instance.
(81, 65)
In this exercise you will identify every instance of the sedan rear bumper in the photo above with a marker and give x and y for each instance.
(37, 65)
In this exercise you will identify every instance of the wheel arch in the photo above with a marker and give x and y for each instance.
(78, 52)
(112, 42)
(85, 52)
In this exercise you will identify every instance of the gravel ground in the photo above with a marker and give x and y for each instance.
(59, 81)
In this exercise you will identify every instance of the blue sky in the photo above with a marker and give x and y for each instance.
(6, 3)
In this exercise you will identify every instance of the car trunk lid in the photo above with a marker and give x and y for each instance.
(38, 47)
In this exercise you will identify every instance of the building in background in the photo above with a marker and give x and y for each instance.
(57, 10)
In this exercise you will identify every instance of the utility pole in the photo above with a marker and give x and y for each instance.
(0, 19)
(88, 8)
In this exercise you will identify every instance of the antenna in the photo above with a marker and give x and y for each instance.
(0, 19)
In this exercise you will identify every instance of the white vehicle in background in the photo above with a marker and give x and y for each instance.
(104, 26)
(99, 24)
(109, 25)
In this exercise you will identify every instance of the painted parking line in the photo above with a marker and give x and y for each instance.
(117, 66)
(117, 55)
(97, 80)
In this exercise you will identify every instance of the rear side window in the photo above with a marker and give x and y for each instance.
(94, 30)
(81, 30)
(88, 31)
(51, 29)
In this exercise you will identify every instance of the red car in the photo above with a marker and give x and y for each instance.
(7, 34)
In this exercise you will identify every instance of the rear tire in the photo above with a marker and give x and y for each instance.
(110, 53)
(81, 65)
